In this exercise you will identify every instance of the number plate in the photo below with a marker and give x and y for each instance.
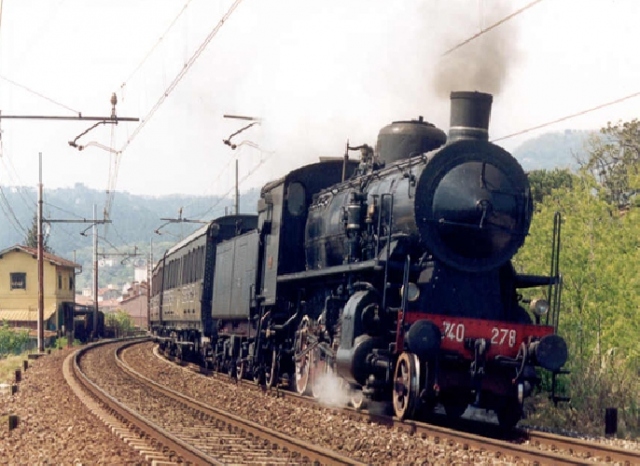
(504, 337)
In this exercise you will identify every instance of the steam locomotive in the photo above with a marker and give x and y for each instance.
(392, 273)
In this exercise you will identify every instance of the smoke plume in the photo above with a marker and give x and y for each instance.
(481, 64)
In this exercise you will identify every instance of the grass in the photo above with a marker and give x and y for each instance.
(8, 367)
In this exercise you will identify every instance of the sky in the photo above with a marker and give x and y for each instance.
(316, 74)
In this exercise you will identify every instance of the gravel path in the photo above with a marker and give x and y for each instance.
(54, 426)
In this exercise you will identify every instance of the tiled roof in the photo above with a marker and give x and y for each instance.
(25, 315)
(56, 260)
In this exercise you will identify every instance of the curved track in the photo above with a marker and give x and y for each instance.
(182, 429)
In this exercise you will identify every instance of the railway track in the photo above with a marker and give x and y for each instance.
(522, 444)
(174, 428)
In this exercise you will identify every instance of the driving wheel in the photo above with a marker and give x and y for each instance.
(271, 374)
(406, 386)
(357, 399)
(303, 358)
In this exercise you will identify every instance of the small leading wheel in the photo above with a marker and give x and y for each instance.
(406, 386)
(240, 369)
(303, 358)
(357, 399)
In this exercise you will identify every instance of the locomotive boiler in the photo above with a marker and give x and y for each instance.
(392, 273)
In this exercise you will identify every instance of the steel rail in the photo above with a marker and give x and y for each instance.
(545, 448)
(305, 450)
(172, 446)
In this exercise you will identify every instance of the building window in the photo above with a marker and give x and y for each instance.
(59, 281)
(71, 282)
(18, 281)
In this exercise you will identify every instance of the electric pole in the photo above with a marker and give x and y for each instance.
(40, 262)
(254, 121)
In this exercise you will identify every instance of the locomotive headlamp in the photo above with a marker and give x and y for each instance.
(413, 292)
(539, 306)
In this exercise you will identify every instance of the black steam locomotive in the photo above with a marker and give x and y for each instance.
(392, 273)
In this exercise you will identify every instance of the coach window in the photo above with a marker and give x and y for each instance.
(296, 199)
(18, 280)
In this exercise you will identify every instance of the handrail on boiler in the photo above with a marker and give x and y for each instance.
(389, 224)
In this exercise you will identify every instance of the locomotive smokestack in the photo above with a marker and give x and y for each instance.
(470, 113)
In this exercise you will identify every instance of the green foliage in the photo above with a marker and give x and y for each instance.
(31, 240)
(543, 182)
(12, 341)
(599, 260)
(61, 343)
(614, 160)
(120, 321)
(599, 257)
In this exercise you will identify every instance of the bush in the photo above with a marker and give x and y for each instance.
(595, 386)
(61, 343)
(12, 341)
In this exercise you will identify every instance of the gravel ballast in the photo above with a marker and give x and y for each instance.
(54, 426)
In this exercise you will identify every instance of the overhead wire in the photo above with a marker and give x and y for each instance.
(181, 74)
(493, 26)
(240, 181)
(12, 174)
(115, 230)
(150, 52)
(61, 209)
(214, 182)
(55, 102)
(113, 170)
(568, 117)
(10, 214)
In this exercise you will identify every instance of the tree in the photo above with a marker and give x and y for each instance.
(120, 321)
(543, 182)
(31, 239)
(12, 341)
(614, 160)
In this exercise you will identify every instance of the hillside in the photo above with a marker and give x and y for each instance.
(559, 149)
(134, 222)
